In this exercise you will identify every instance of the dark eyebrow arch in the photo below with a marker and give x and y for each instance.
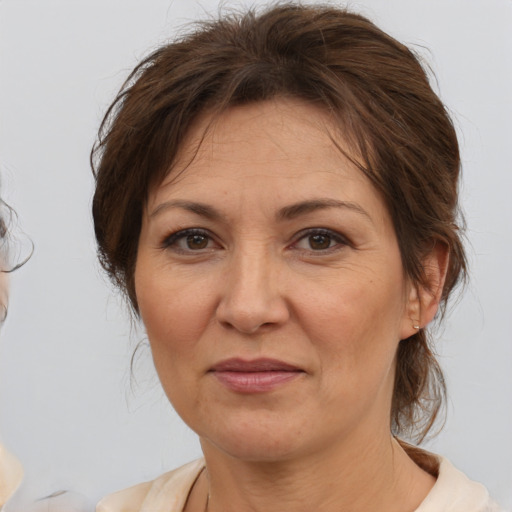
(286, 213)
(201, 209)
(304, 207)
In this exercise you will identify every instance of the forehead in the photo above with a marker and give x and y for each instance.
(282, 140)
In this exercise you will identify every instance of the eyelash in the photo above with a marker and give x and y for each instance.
(339, 241)
(172, 240)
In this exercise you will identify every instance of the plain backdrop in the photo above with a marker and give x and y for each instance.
(68, 406)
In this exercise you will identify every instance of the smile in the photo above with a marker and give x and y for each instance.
(257, 376)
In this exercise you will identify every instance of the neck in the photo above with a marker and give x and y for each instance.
(359, 475)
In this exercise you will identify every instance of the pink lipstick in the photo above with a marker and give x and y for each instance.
(256, 376)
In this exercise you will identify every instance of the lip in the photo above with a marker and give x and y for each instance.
(254, 376)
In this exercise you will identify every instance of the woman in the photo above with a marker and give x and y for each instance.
(16, 495)
(11, 471)
(276, 194)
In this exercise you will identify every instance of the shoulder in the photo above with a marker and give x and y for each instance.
(455, 492)
(11, 473)
(167, 492)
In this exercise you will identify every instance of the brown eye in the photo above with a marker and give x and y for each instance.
(319, 241)
(190, 240)
(197, 241)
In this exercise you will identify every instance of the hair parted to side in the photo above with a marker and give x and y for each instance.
(374, 89)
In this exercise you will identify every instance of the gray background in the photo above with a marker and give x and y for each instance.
(69, 408)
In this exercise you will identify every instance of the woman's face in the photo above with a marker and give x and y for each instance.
(270, 283)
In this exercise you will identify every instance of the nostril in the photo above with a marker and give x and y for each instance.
(246, 324)
(250, 304)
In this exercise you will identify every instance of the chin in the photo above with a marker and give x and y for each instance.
(261, 448)
(258, 439)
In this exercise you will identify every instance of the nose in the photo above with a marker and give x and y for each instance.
(252, 298)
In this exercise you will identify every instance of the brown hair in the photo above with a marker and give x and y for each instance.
(372, 86)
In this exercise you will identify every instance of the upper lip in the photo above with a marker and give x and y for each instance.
(253, 365)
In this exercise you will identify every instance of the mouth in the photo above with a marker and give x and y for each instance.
(255, 376)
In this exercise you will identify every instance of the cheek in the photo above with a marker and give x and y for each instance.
(355, 323)
(356, 304)
(175, 313)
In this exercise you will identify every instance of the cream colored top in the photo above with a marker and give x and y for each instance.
(11, 474)
(452, 492)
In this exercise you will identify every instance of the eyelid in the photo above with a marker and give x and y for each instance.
(341, 240)
(170, 241)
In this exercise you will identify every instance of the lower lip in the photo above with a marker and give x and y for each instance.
(255, 382)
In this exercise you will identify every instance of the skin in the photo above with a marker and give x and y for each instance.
(320, 287)
(4, 289)
(10, 469)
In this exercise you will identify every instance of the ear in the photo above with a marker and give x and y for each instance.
(423, 300)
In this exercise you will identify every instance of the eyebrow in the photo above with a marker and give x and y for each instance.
(304, 207)
(286, 213)
(201, 209)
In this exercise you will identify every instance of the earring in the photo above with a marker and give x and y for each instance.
(417, 327)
